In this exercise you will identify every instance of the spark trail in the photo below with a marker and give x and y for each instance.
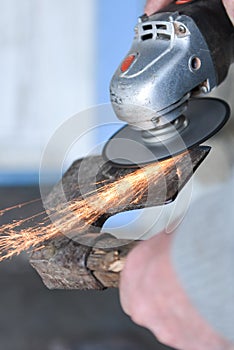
(77, 215)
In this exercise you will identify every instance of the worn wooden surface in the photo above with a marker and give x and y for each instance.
(91, 260)
(65, 264)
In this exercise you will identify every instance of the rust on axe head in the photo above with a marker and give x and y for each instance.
(70, 264)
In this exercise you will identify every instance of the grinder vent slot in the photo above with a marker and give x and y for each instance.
(163, 36)
(147, 27)
(147, 36)
(161, 26)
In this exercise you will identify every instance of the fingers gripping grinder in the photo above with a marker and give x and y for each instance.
(177, 54)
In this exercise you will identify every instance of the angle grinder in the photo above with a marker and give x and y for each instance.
(177, 54)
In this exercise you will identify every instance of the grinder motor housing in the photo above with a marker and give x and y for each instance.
(187, 48)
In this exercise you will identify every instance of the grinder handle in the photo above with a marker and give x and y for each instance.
(216, 27)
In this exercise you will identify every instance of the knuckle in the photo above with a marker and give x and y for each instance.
(137, 318)
(165, 337)
(164, 332)
(141, 313)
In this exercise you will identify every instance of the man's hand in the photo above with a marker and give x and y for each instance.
(155, 5)
(229, 5)
(153, 297)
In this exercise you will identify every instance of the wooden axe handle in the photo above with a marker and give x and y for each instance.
(65, 264)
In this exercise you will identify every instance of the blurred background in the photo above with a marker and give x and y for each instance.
(56, 59)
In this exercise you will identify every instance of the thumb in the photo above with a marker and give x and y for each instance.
(229, 5)
(155, 5)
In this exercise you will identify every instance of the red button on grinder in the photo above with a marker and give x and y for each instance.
(127, 63)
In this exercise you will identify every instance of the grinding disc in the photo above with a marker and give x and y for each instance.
(205, 117)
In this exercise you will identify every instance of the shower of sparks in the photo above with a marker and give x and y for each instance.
(77, 215)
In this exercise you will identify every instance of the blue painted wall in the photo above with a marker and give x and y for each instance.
(116, 20)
